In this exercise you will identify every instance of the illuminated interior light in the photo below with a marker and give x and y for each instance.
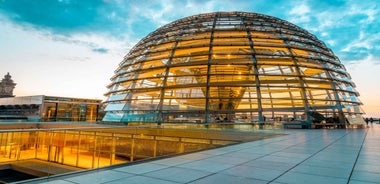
(274, 73)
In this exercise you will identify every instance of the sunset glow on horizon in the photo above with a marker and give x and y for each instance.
(72, 48)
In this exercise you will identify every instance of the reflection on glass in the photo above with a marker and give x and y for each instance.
(99, 147)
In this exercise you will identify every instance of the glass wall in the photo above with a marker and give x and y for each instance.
(47, 108)
(21, 108)
(93, 148)
(49, 112)
(69, 112)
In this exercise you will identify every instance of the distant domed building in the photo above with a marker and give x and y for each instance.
(6, 86)
(230, 66)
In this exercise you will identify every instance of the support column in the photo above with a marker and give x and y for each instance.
(56, 111)
(341, 116)
(113, 149)
(207, 109)
(301, 81)
(160, 116)
(155, 147)
(131, 157)
(78, 148)
(181, 148)
(256, 74)
(94, 151)
(63, 147)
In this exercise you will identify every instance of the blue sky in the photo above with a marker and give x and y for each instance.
(71, 48)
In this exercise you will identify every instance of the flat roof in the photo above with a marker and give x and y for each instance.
(302, 156)
(38, 99)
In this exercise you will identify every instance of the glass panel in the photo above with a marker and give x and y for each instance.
(115, 106)
(280, 51)
(140, 116)
(191, 60)
(154, 63)
(65, 112)
(190, 93)
(113, 116)
(230, 41)
(115, 97)
(49, 112)
(193, 43)
(91, 113)
(157, 55)
(270, 60)
(161, 47)
(231, 33)
(227, 51)
(191, 51)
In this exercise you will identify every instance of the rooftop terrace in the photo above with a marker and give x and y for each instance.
(302, 156)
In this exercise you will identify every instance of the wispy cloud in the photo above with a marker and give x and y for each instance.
(300, 13)
(64, 20)
(370, 11)
(76, 58)
(109, 26)
(100, 50)
(348, 27)
(300, 10)
(64, 16)
(364, 45)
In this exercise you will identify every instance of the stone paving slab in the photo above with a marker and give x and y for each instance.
(302, 156)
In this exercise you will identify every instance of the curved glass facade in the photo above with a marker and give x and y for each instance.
(229, 66)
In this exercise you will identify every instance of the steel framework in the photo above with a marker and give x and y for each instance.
(230, 66)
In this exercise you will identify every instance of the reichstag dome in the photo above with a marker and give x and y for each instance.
(230, 67)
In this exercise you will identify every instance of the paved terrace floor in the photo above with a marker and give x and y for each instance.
(304, 156)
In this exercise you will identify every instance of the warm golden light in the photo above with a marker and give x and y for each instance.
(86, 148)
(238, 66)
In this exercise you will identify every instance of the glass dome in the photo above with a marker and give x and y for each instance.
(229, 66)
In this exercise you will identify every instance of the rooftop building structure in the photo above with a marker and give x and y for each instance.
(230, 66)
(49, 108)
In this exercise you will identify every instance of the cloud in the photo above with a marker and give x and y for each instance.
(362, 46)
(331, 42)
(349, 28)
(100, 50)
(366, 9)
(76, 58)
(64, 16)
(109, 26)
(145, 19)
(300, 13)
(300, 10)
(64, 20)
